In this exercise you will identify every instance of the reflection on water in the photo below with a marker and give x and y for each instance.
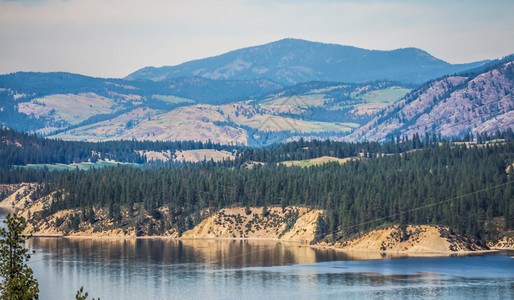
(211, 254)
(226, 269)
(165, 269)
(158, 267)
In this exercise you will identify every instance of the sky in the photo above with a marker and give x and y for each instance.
(113, 38)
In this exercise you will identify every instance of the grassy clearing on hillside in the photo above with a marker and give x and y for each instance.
(315, 161)
(172, 99)
(70, 108)
(110, 129)
(317, 126)
(278, 123)
(80, 166)
(389, 95)
(348, 124)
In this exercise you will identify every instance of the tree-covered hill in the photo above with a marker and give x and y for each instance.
(467, 187)
(18, 148)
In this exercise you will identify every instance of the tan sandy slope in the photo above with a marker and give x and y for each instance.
(19, 194)
(419, 239)
(239, 223)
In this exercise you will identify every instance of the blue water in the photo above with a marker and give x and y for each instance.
(167, 269)
(226, 269)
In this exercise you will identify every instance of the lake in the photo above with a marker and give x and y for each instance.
(255, 269)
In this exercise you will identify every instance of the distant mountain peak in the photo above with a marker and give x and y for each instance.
(290, 61)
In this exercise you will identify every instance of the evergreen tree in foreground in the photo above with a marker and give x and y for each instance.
(80, 296)
(17, 279)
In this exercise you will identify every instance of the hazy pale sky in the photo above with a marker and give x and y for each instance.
(112, 38)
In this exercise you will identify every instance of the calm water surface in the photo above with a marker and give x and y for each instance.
(224, 269)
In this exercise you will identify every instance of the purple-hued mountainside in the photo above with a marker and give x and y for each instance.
(451, 106)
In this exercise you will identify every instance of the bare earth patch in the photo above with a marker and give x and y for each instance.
(199, 155)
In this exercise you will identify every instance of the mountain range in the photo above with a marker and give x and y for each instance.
(206, 100)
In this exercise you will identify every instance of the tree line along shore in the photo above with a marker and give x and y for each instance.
(462, 188)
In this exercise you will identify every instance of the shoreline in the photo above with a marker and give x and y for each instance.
(385, 254)
(423, 241)
(413, 253)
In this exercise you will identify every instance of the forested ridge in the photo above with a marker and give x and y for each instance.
(18, 148)
(465, 187)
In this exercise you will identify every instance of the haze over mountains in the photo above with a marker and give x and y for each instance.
(271, 93)
(290, 61)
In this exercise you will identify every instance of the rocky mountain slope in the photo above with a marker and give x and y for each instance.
(290, 61)
(453, 105)
(290, 224)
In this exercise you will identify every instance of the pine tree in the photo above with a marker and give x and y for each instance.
(80, 296)
(17, 279)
